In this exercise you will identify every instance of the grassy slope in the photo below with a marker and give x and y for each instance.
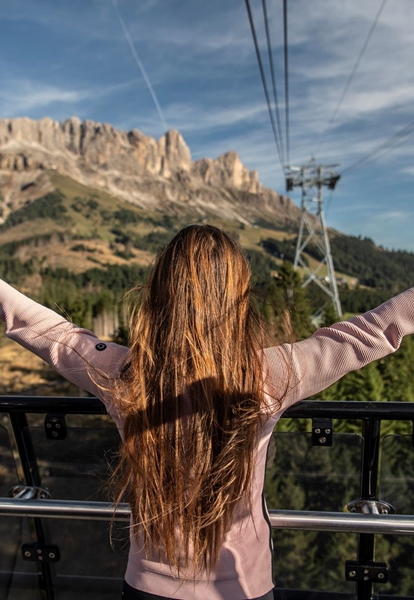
(93, 228)
(88, 227)
(24, 373)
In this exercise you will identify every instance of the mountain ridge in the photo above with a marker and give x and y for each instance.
(152, 174)
(82, 195)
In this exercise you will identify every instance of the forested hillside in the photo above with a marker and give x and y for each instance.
(375, 268)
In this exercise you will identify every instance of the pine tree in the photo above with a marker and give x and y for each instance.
(295, 312)
(329, 315)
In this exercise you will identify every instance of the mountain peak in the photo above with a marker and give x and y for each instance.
(154, 174)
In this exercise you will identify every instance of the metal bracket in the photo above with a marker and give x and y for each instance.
(55, 426)
(370, 507)
(28, 492)
(322, 431)
(41, 553)
(371, 571)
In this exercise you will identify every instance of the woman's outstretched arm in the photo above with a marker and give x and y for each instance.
(314, 364)
(76, 353)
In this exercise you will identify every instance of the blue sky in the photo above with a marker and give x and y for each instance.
(61, 58)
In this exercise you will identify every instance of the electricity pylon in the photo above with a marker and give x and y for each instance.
(311, 178)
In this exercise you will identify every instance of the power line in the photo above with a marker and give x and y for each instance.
(383, 147)
(285, 38)
(351, 76)
(262, 74)
(272, 71)
(140, 65)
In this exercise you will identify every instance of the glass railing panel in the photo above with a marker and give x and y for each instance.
(16, 577)
(397, 488)
(397, 552)
(89, 566)
(397, 473)
(8, 472)
(300, 476)
(76, 468)
(311, 560)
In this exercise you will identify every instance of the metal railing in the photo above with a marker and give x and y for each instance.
(279, 519)
(364, 570)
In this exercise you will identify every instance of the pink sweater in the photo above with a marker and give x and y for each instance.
(245, 565)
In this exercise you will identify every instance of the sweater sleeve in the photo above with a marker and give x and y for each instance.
(76, 353)
(297, 371)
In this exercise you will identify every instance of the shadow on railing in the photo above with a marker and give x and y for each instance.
(54, 457)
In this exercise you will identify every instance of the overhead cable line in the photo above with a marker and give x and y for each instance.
(140, 65)
(285, 44)
(262, 74)
(382, 148)
(272, 71)
(351, 76)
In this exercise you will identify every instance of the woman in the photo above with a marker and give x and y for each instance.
(196, 399)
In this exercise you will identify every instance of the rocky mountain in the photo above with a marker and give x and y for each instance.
(84, 208)
(156, 175)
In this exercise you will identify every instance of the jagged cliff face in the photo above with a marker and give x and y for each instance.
(156, 175)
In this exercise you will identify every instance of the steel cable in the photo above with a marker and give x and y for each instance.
(383, 147)
(272, 71)
(351, 76)
(262, 74)
(285, 44)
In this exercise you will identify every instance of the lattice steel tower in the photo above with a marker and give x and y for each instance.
(311, 178)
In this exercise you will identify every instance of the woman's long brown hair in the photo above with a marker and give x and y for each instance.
(191, 392)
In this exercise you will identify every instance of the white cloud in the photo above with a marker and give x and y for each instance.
(393, 215)
(408, 171)
(355, 205)
(190, 118)
(25, 95)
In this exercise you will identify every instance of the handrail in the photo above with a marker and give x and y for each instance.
(342, 522)
(339, 409)
(279, 519)
(60, 404)
(63, 509)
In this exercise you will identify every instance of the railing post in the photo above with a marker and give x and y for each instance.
(27, 455)
(371, 429)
